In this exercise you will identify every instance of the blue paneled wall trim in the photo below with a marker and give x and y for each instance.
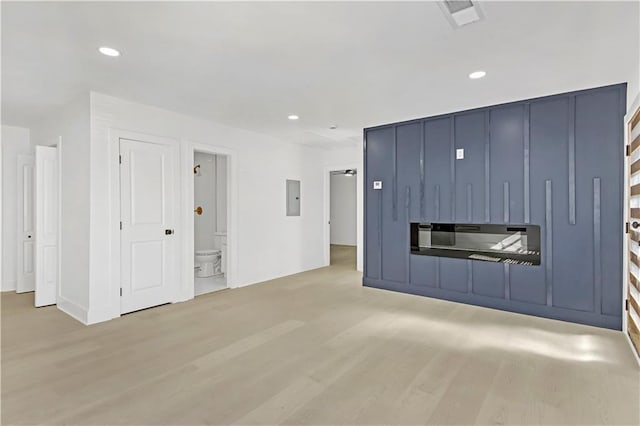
(555, 161)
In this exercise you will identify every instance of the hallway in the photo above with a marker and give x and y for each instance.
(343, 256)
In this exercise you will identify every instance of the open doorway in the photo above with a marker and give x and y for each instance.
(210, 222)
(343, 218)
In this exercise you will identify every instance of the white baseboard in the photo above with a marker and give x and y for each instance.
(73, 310)
(9, 285)
(101, 314)
(280, 275)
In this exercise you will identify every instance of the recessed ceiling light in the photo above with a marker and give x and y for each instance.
(108, 51)
(293, 117)
(333, 127)
(477, 74)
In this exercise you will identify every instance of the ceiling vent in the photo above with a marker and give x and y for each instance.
(461, 12)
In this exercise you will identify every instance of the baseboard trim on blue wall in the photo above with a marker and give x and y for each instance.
(543, 311)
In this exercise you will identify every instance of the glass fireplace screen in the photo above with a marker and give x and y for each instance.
(511, 244)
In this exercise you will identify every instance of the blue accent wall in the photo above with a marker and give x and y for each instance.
(555, 161)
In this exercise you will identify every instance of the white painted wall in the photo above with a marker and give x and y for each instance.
(343, 210)
(71, 124)
(350, 157)
(15, 141)
(267, 244)
(221, 194)
(205, 190)
(633, 81)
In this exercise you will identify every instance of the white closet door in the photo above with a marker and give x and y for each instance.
(46, 208)
(149, 210)
(25, 252)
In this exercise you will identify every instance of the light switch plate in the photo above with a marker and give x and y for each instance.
(377, 184)
(459, 154)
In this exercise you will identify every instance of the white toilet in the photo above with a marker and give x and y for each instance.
(208, 263)
(220, 242)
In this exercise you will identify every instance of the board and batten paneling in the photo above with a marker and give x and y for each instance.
(554, 161)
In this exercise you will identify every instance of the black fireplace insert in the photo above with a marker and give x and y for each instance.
(510, 244)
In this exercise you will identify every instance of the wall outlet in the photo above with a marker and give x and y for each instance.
(460, 154)
(377, 184)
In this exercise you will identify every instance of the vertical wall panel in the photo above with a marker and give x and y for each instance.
(379, 167)
(437, 194)
(548, 160)
(549, 243)
(571, 146)
(394, 243)
(409, 149)
(597, 248)
(482, 277)
(422, 171)
(470, 170)
(424, 270)
(437, 160)
(507, 153)
(487, 166)
(598, 125)
(574, 282)
(453, 274)
(526, 163)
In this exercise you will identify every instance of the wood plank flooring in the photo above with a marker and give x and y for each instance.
(312, 348)
(344, 256)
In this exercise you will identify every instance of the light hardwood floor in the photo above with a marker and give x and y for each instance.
(313, 348)
(344, 256)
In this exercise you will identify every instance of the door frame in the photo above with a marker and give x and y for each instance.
(187, 290)
(327, 211)
(114, 259)
(635, 106)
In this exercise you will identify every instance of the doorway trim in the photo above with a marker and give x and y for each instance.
(327, 212)
(114, 214)
(635, 106)
(188, 251)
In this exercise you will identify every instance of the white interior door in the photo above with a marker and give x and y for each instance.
(46, 236)
(25, 250)
(148, 205)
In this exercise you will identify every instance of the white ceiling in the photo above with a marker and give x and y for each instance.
(355, 64)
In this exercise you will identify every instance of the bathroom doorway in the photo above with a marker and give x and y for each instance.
(210, 181)
(343, 218)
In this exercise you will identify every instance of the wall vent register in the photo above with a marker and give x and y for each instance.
(510, 244)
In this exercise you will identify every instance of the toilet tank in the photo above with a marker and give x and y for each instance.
(219, 239)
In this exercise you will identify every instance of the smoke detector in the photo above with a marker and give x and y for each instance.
(461, 12)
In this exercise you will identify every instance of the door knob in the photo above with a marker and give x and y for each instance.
(635, 225)
(198, 210)
(168, 231)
